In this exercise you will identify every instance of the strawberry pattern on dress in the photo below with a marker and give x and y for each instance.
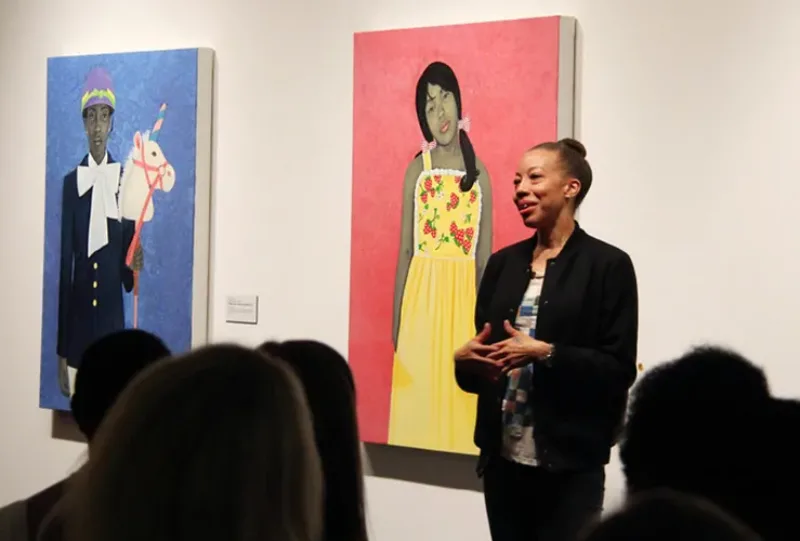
(447, 218)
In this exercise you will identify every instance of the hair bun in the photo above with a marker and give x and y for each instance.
(575, 145)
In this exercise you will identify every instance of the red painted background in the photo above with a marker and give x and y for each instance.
(508, 75)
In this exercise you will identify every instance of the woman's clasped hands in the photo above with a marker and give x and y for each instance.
(493, 360)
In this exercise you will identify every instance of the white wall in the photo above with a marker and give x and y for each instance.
(689, 110)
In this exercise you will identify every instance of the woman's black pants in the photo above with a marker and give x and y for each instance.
(525, 503)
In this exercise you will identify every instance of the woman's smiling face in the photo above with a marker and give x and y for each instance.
(441, 112)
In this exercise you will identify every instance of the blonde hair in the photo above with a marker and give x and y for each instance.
(213, 445)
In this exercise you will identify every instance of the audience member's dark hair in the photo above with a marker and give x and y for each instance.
(214, 445)
(695, 425)
(670, 516)
(778, 461)
(107, 367)
(329, 387)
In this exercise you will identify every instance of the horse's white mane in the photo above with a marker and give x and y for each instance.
(128, 168)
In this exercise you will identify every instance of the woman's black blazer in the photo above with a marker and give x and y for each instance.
(588, 310)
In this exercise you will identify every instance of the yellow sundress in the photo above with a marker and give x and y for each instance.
(428, 410)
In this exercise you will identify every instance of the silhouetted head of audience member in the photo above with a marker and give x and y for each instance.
(663, 515)
(781, 471)
(330, 390)
(696, 425)
(216, 444)
(107, 367)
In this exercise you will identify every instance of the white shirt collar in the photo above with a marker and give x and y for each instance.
(103, 179)
(93, 163)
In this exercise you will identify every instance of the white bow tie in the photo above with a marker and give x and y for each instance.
(104, 181)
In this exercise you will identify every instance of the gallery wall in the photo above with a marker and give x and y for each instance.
(688, 109)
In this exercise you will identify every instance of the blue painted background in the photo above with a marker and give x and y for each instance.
(142, 82)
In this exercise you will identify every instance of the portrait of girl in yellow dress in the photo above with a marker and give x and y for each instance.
(446, 240)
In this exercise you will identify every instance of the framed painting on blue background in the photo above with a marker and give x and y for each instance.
(127, 210)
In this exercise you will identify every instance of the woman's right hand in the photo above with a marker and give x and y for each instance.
(473, 356)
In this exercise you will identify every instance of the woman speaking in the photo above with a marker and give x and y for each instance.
(554, 357)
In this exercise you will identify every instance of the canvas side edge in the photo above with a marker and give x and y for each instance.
(201, 260)
(567, 37)
(42, 403)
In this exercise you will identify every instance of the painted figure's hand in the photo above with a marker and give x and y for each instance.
(138, 259)
(63, 377)
(474, 356)
(518, 350)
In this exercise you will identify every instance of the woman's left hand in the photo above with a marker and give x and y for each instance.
(518, 350)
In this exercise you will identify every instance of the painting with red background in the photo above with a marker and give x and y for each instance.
(508, 75)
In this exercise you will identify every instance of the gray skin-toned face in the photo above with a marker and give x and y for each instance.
(441, 112)
(97, 123)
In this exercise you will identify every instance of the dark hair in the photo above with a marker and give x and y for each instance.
(216, 444)
(572, 155)
(439, 73)
(106, 367)
(695, 425)
(330, 391)
(669, 516)
(780, 470)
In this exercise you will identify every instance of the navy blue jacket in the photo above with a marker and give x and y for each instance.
(90, 288)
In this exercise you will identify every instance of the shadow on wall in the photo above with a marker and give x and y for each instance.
(63, 427)
(425, 467)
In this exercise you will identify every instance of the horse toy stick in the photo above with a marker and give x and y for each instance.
(146, 171)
